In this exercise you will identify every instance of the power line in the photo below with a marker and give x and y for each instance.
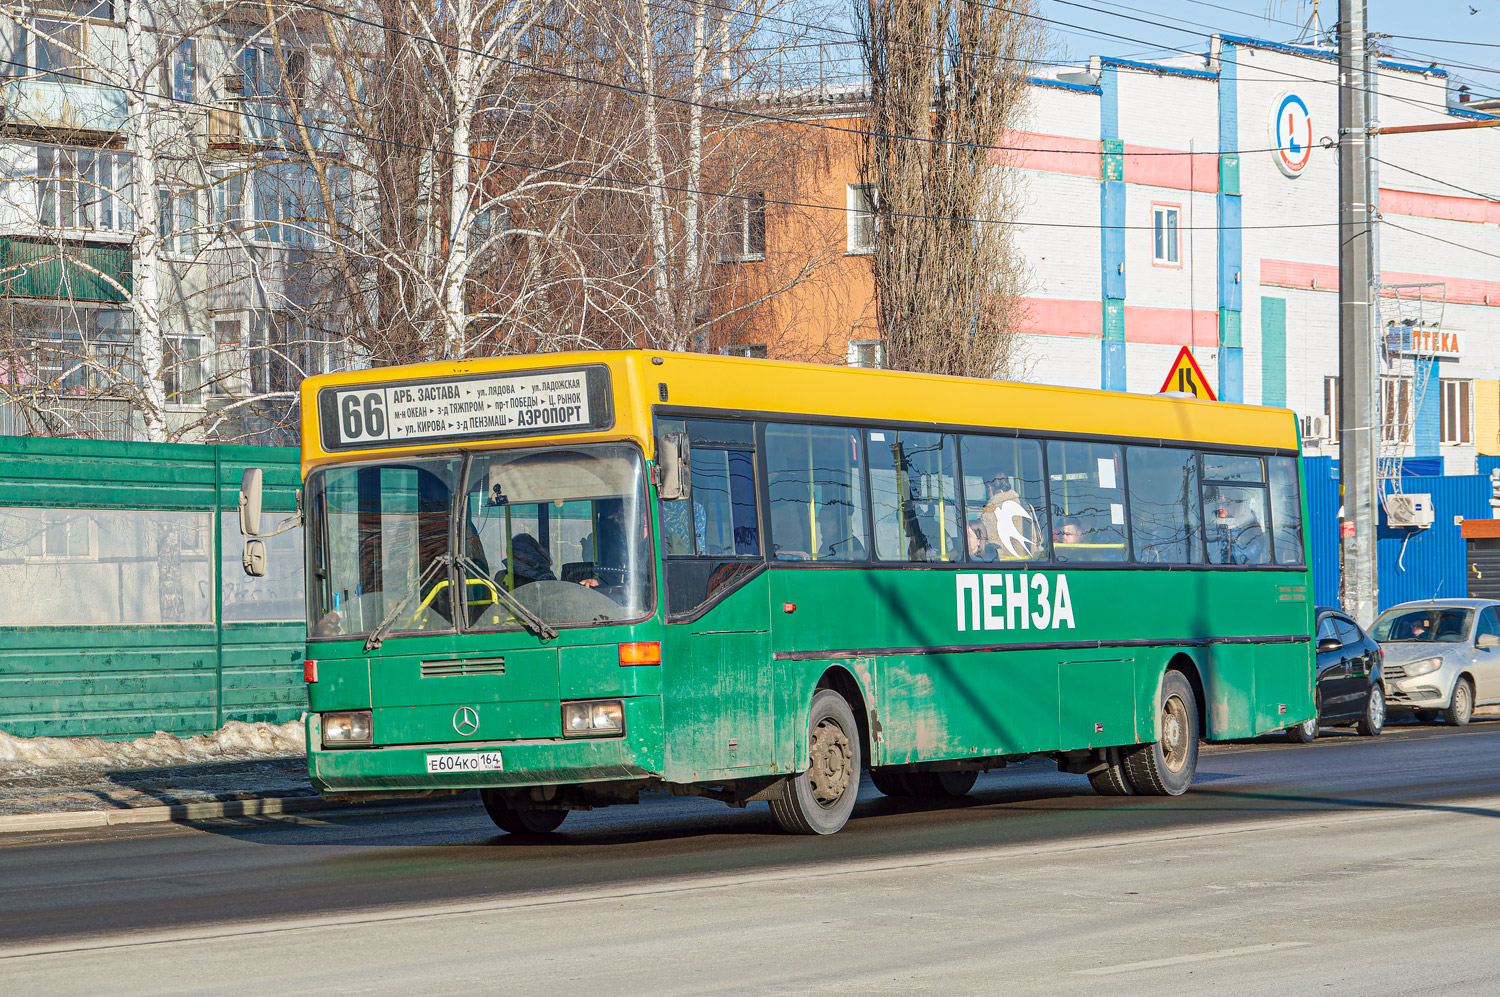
(1438, 238)
(1445, 183)
(757, 199)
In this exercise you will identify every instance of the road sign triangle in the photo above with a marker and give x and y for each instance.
(1185, 375)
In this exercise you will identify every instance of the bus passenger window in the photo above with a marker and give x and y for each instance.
(1234, 509)
(1164, 516)
(914, 491)
(1088, 502)
(1286, 510)
(817, 493)
(1005, 499)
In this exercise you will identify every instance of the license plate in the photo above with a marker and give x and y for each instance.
(469, 761)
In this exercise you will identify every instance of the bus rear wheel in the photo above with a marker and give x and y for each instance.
(820, 799)
(1111, 779)
(892, 781)
(519, 820)
(943, 784)
(1165, 767)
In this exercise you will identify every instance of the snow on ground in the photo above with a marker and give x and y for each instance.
(235, 741)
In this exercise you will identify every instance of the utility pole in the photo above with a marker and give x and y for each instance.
(1357, 430)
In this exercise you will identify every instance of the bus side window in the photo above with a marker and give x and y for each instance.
(816, 485)
(711, 538)
(914, 490)
(1005, 499)
(1165, 524)
(1088, 501)
(1286, 510)
(1234, 514)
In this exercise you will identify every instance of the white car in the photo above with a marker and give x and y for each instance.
(1442, 658)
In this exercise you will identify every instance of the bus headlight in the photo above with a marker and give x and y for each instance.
(1423, 667)
(600, 718)
(346, 729)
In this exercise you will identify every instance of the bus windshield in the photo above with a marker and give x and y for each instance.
(562, 532)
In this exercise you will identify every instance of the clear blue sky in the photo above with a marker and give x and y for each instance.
(1154, 28)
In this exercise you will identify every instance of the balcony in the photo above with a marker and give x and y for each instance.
(72, 108)
(249, 124)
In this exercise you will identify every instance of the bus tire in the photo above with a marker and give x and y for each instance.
(1165, 767)
(892, 781)
(942, 785)
(819, 799)
(1111, 780)
(514, 820)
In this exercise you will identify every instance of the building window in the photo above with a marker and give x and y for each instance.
(863, 223)
(288, 208)
(1455, 415)
(180, 72)
(226, 193)
(753, 350)
(177, 215)
(1395, 409)
(231, 361)
(1331, 406)
(56, 48)
(745, 234)
(1165, 251)
(60, 535)
(866, 353)
(183, 378)
(83, 189)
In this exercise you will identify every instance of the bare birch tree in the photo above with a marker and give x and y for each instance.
(947, 80)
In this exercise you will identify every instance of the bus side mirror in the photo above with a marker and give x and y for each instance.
(255, 558)
(250, 489)
(676, 467)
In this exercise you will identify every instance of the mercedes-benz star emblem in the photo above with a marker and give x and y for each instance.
(465, 720)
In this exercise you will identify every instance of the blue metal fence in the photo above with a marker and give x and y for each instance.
(1414, 564)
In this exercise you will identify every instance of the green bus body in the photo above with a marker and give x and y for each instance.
(945, 665)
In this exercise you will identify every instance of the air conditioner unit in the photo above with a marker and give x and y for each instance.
(1411, 512)
(1314, 427)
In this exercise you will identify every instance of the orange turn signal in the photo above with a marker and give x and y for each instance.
(641, 652)
(309, 670)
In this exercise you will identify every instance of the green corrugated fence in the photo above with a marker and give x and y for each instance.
(123, 607)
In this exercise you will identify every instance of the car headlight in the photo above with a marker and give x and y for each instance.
(599, 718)
(346, 729)
(1423, 667)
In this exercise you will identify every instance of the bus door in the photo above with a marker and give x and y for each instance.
(716, 647)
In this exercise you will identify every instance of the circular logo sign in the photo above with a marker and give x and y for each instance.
(466, 720)
(1291, 133)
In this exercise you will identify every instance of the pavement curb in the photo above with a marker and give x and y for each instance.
(64, 820)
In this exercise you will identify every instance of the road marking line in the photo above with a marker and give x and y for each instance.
(1182, 960)
(692, 884)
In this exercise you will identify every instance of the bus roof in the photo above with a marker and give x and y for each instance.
(641, 380)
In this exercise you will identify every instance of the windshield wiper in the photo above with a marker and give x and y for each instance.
(377, 635)
(529, 618)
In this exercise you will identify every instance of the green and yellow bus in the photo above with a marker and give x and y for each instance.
(563, 580)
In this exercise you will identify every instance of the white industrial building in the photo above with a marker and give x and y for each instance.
(1195, 203)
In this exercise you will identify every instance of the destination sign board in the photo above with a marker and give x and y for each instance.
(457, 408)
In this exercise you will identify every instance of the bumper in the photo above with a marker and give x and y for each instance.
(1425, 692)
(542, 762)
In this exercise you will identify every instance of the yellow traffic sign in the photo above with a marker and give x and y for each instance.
(1185, 375)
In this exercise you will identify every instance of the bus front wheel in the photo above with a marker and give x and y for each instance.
(819, 799)
(1166, 766)
(517, 820)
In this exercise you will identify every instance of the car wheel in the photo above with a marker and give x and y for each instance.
(819, 799)
(943, 784)
(1111, 779)
(892, 781)
(1165, 767)
(1427, 716)
(1304, 733)
(514, 820)
(1461, 707)
(1373, 722)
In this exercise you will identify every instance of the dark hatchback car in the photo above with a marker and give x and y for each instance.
(1350, 688)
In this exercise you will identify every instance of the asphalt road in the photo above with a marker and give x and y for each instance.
(1284, 864)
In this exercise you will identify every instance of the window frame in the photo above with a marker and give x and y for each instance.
(1048, 563)
(1460, 411)
(856, 196)
(737, 243)
(1160, 210)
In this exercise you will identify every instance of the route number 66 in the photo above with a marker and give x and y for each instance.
(362, 416)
